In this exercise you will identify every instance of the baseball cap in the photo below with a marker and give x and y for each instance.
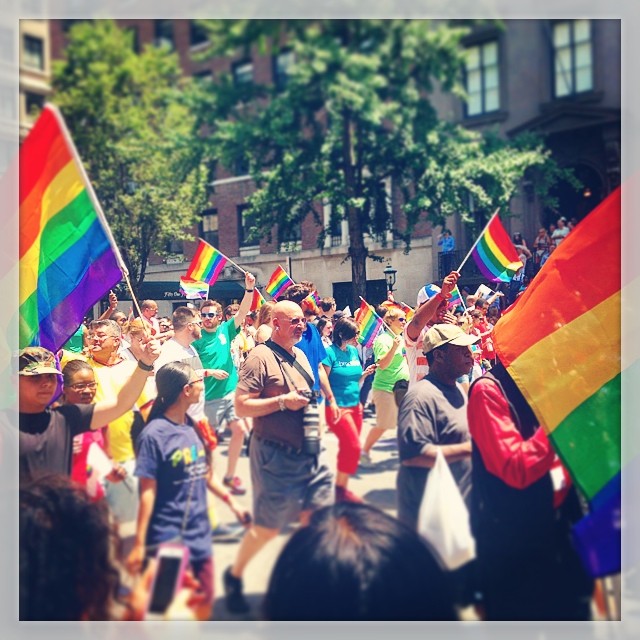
(427, 292)
(441, 334)
(34, 361)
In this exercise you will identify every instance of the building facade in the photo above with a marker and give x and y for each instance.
(560, 79)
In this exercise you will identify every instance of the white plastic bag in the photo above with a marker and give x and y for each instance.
(443, 520)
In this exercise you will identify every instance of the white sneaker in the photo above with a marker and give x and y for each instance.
(365, 460)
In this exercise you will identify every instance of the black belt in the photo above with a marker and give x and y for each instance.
(278, 445)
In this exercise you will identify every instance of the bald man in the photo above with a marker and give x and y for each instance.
(274, 388)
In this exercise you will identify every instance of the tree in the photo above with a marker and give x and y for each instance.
(352, 113)
(132, 130)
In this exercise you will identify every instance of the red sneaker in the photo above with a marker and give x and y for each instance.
(234, 485)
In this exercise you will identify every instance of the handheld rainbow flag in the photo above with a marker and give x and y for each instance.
(401, 306)
(494, 252)
(572, 313)
(456, 299)
(68, 257)
(257, 301)
(370, 324)
(194, 289)
(207, 264)
(278, 282)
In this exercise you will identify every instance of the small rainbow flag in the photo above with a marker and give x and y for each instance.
(68, 257)
(495, 254)
(278, 282)
(401, 306)
(207, 263)
(194, 289)
(456, 299)
(257, 301)
(369, 324)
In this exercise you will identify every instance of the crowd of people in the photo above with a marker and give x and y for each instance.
(118, 433)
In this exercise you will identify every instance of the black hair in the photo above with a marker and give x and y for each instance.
(430, 355)
(344, 329)
(354, 562)
(322, 323)
(170, 380)
(66, 546)
(72, 367)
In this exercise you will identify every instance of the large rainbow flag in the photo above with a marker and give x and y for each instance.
(495, 254)
(369, 324)
(206, 264)
(278, 282)
(561, 343)
(68, 258)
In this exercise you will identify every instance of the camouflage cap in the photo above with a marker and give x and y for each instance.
(34, 361)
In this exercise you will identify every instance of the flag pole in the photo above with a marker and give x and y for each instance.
(233, 264)
(477, 240)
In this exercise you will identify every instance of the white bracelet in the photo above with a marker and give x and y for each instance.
(281, 403)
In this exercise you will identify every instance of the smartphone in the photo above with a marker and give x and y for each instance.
(172, 563)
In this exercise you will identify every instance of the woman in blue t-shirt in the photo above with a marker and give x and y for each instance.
(174, 466)
(344, 369)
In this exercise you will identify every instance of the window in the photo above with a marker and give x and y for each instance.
(246, 226)
(290, 235)
(243, 72)
(175, 246)
(203, 76)
(33, 54)
(163, 33)
(572, 57)
(197, 33)
(209, 226)
(135, 38)
(34, 102)
(482, 77)
(282, 64)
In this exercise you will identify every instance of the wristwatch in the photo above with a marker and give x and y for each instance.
(248, 290)
(281, 403)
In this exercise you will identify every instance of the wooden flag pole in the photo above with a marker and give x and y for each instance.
(477, 240)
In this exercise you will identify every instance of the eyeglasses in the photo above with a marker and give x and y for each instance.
(209, 315)
(194, 382)
(81, 386)
(296, 321)
(403, 320)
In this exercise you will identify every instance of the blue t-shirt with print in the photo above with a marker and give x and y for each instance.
(173, 455)
(345, 374)
(311, 345)
(214, 349)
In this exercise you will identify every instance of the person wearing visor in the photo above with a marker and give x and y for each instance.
(46, 434)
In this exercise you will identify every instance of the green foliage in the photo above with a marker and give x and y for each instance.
(354, 114)
(134, 133)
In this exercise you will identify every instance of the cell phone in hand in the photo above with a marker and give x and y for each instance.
(172, 560)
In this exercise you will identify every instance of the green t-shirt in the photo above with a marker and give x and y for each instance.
(384, 379)
(214, 349)
(345, 374)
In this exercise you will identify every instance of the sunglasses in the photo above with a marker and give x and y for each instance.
(209, 315)
(297, 321)
(403, 320)
(81, 386)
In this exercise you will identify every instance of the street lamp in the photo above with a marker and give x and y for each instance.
(390, 276)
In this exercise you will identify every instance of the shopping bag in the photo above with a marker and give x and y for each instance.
(443, 519)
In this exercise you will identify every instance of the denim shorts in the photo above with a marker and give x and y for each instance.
(220, 409)
(286, 483)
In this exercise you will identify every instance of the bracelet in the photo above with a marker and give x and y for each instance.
(281, 403)
(248, 290)
(145, 367)
(227, 498)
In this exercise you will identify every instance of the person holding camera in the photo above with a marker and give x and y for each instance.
(289, 467)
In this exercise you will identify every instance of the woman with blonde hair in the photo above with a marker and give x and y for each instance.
(388, 353)
(264, 322)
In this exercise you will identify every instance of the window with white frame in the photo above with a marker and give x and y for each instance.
(246, 227)
(243, 72)
(33, 52)
(572, 57)
(282, 64)
(163, 33)
(482, 74)
(209, 226)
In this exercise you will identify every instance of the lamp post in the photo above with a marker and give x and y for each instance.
(390, 276)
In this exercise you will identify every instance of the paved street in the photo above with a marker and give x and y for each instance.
(376, 486)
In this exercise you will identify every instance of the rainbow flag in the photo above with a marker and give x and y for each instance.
(257, 301)
(495, 254)
(206, 264)
(567, 362)
(369, 324)
(68, 257)
(400, 306)
(194, 289)
(278, 282)
(456, 299)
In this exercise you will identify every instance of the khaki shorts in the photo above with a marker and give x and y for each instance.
(386, 409)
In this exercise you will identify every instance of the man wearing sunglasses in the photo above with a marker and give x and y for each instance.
(214, 349)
